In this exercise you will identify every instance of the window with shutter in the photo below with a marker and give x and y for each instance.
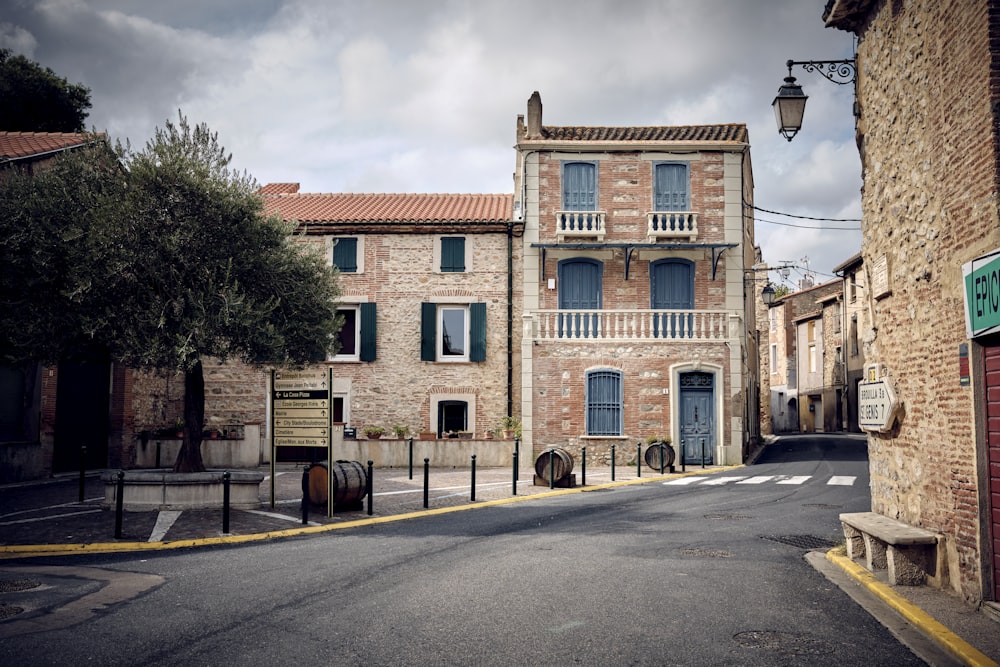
(452, 254)
(579, 186)
(358, 334)
(605, 402)
(671, 190)
(452, 332)
(345, 254)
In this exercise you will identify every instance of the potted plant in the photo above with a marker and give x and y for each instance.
(373, 432)
(400, 431)
(654, 439)
(179, 427)
(511, 427)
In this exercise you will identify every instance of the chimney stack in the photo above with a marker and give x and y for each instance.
(534, 116)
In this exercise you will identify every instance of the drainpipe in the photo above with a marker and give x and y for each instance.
(510, 317)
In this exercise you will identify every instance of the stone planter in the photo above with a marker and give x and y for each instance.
(167, 490)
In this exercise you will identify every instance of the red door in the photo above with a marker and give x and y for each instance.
(992, 361)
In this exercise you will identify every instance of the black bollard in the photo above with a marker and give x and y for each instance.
(552, 469)
(411, 457)
(515, 473)
(517, 454)
(681, 454)
(369, 486)
(119, 504)
(225, 503)
(472, 497)
(638, 459)
(427, 488)
(662, 456)
(612, 463)
(583, 466)
(83, 468)
(703, 452)
(305, 495)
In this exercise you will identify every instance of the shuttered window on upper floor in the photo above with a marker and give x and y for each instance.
(345, 254)
(671, 186)
(452, 254)
(579, 186)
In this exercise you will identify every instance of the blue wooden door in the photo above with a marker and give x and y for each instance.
(672, 288)
(697, 426)
(580, 282)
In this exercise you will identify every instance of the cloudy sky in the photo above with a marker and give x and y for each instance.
(422, 95)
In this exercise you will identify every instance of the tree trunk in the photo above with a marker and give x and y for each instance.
(189, 458)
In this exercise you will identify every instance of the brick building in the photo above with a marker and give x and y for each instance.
(638, 316)
(928, 94)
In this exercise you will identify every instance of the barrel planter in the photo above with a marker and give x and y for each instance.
(558, 459)
(350, 483)
(653, 454)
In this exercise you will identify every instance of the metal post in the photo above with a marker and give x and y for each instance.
(552, 469)
(370, 486)
(427, 488)
(411, 457)
(472, 496)
(517, 454)
(83, 469)
(515, 473)
(638, 459)
(703, 452)
(681, 454)
(225, 503)
(305, 494)
(663, 456)
(119, 504)
(612, 463)
(583, 466)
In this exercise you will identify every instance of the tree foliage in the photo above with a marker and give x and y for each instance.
(35, 99)
(159, 258)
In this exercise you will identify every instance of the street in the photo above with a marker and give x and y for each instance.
(704, 569)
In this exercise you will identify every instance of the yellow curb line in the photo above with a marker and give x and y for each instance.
(912, 613)
(39, 550)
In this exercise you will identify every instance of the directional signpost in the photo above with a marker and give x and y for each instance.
(301, 410)
(877, 404)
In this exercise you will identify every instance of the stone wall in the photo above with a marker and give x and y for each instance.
(928, 144)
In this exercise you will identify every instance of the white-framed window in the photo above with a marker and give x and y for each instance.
(451, 332)
(347, 253)
(349, 337)
(773, 316)
(813, 359)
(774, 358)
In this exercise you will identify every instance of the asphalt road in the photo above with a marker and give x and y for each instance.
(705, 570)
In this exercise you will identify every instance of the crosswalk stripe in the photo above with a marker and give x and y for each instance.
(759, 479)
(842, 480)
(719, 481)
(795, 479)
(684, 481)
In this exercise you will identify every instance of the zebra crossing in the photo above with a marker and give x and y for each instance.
(735, 480)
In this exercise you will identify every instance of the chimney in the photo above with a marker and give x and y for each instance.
(534, 116)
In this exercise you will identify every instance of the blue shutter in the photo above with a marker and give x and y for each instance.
(368, 332)
(345, 255)
(579, 186)
(672, 185)
(604, 403)
(672, 288)
(452, 254)
(580, 285)
(477, 350)
(428, 332)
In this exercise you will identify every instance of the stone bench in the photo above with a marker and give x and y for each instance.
(909, 554)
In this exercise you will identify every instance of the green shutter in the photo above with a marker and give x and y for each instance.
(477, 349)
(368, 332)
(345, 255)
(452, 254)
(428, 332)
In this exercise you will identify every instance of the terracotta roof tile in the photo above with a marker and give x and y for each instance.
(279, 188)
(354, 208)
(14, 145)
(735, 132)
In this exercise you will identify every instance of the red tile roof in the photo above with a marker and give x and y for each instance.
(734, 132)
(279, 188)
(16, 145)
(352, 208)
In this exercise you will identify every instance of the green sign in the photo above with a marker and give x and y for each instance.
(982, 294)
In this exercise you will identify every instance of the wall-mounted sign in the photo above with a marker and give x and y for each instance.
(880, 277)
(877, 405)
(981, 278)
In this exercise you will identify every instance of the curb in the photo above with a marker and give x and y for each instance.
(923, 621)
(39, 550)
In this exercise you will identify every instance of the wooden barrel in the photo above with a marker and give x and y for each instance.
(556, 458)
(350, 483)
(652, 455)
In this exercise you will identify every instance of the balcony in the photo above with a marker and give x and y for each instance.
(573, 225)
(672, 225)
(630, 325)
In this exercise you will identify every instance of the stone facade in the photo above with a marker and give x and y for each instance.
(928, 90)
(620, 337)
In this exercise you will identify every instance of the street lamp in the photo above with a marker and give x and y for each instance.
(767, 294)
(790, 103)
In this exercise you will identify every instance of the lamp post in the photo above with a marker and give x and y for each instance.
(790, 103)
(767, 294)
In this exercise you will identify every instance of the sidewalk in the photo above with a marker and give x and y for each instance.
(47, 518)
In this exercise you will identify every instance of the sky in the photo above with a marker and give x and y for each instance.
(423, 95)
